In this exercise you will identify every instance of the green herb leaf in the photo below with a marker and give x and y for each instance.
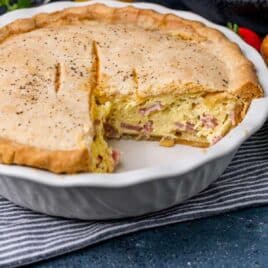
(24, 3)
(19, 4)
(236, 28)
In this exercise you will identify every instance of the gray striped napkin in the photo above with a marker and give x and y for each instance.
(27, 237)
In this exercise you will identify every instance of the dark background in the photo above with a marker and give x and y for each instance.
(248, 13)
(232, 240)
(252, 14)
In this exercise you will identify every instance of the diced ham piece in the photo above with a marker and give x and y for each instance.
(116, 156)
(189, 127)
(135, 128)
(157, 106)
(216, 139)
(110, 131)
(209, 121)
(180, 126)
(148, 127)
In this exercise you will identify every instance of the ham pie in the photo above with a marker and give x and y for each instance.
(72, 79)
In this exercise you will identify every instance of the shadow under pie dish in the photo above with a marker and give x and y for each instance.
(85, 74)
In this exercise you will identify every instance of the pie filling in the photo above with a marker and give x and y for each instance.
(103, 157)
(198, 119)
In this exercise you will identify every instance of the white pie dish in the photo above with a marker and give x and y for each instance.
(150, 177)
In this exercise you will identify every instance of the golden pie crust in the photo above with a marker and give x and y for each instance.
(243, 82)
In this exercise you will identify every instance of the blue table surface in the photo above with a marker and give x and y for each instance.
(236, 239)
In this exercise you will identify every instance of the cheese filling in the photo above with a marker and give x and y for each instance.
(200, 119)
(103, 158)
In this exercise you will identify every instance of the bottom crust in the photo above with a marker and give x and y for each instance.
(199, 144)
(193, 143)
(59, 162)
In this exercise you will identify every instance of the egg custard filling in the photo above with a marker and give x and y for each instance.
(199, 119)
(102, 154)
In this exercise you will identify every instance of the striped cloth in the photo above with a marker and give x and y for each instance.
(27, 237)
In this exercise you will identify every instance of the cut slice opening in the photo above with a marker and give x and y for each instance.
(199, 119)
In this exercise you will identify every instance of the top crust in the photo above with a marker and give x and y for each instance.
(243, 81)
